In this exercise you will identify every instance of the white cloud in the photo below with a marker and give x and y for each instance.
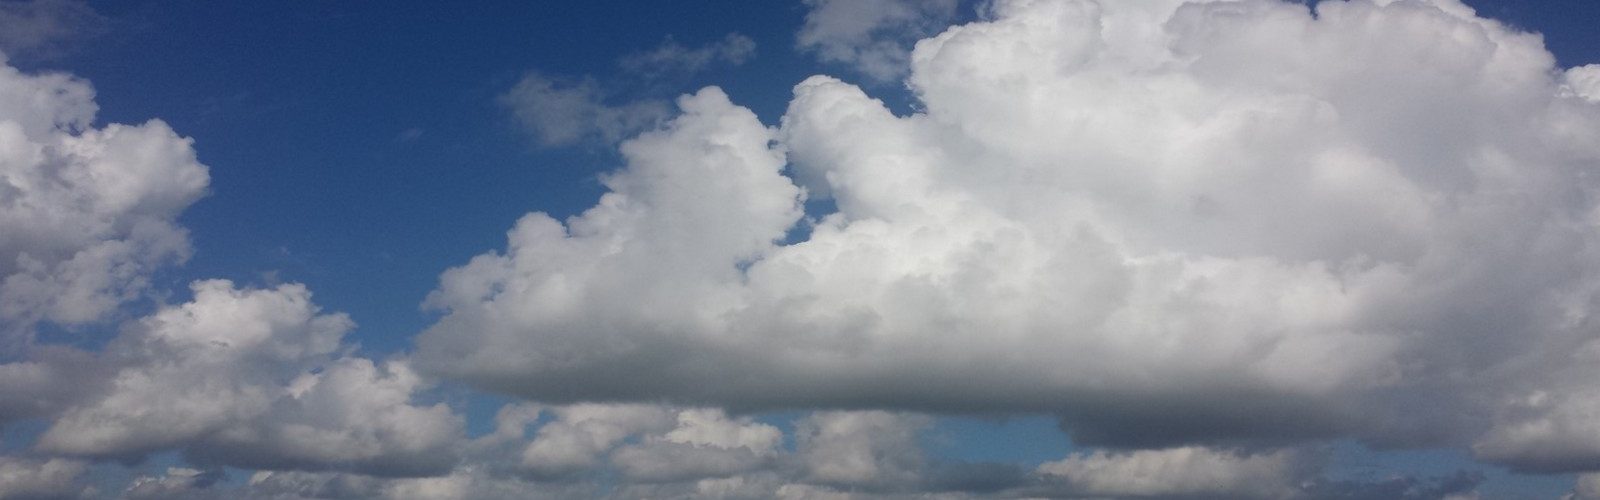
(639, 451)
(251, 378)
(1188, 471)
(705, 444)
(177, 483)
(1584, 81)
(624, 451)
(255, 378)
(582, 434)
(872, 36)
(871, 449)
(1168, 223)
(54, 478)
(88, 213)
(644, 443)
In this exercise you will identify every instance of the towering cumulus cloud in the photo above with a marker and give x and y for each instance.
(1168, 223)
(87, 213)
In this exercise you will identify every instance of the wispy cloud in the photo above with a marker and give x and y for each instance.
(872, 36)
(43, 28)
(561, 111)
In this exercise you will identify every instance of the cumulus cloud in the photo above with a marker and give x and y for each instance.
(88, 213)
(704, 444)
(636, 451)
(1584, 82)
(872, 36)
(178, 483)
(1168, 223)
(1187, 471)
(625, 451)
(48, 380)
(54, 478)
(1203, 234)
(581, 434)
(255, 378)
(871, 449)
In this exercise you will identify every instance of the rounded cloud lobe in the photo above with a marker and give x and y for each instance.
(1166, 222)
(255, 378)
(236, 376)
(1207, 232)
(88, 213)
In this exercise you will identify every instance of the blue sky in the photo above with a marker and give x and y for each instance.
(363, 149)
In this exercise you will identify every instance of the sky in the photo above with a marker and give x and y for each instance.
(800, 249)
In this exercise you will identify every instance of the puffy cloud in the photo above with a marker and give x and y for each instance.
(1584, 81)
(88, 213)
(622, 451)
(49, 380)
(689, 238)
(242, 377)
(626, 451)
(1169, 223)
(869, 450)
(642, 451)
(705, 444)
(177, 483)
(54, 478)
(354, 414)
(255, 378)
(581, 434)
(872, 36)
(1188, 471)
(643, 443)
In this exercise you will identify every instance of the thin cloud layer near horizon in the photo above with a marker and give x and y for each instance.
(1222, 249)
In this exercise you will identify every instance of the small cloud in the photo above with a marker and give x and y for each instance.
(410, 134)
(674, 59)
(561, 112)
(271, 278)
(44, 28)
(873, 36)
